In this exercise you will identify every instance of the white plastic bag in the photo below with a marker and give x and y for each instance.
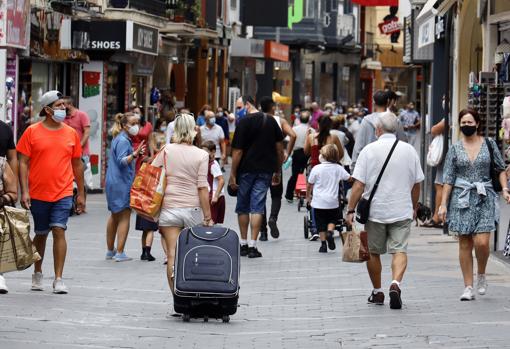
(435, 154)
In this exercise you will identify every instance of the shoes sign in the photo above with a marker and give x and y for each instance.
(110, 36)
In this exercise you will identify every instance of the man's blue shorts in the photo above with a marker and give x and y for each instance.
(251, 196)
(50, 214)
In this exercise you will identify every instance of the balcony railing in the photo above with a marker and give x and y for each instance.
(153, 7)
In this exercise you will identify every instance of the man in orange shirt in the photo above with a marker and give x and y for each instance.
(50, 160)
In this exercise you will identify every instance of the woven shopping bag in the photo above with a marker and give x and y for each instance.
(16, 249)
(355, 246)
(148, 190)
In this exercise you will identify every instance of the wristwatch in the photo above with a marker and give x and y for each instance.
(351, 211)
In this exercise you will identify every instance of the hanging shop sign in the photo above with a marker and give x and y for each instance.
(376, 2)
(14, 21)
(111, 36)
(389, 27)
(440, 29)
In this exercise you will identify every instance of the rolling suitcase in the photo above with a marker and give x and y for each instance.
(206, 273)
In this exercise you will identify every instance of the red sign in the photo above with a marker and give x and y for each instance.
(389, 27)
(376, 2)
(91, 84)
(18, 14)
(276, 51)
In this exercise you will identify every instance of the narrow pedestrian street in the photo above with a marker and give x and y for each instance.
(291, 298)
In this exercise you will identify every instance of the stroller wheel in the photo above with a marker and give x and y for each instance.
(306, 227)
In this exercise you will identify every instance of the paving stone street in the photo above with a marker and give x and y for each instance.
(291, 298)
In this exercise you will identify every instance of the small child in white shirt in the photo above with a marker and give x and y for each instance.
(216, 184)
(324, 181)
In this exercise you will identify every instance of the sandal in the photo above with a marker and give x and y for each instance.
(432, 224)
(428, 224)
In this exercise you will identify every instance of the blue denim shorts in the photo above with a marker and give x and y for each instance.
(251, 196)
(50, 214)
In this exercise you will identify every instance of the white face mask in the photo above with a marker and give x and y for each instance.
(133, 130)
(163, 128)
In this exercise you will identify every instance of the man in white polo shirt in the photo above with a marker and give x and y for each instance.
(393, 206)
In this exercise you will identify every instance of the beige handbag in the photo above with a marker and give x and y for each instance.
(16, 249)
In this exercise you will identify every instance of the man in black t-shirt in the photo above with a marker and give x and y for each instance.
(257, 153)
(7, 150)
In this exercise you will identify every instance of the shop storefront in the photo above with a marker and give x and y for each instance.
(118, 76)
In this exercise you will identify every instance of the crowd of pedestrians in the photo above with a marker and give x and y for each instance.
(336, 147)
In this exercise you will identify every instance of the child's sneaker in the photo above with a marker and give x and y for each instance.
(122, 257)
(110, 254)
(323, 248)
(331, 240)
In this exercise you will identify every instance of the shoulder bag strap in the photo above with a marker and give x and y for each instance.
(382, 171)
(491, 152)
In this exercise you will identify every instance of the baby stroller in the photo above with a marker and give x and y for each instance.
(309, 227)
(300, 191)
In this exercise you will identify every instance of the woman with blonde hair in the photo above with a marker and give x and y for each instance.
(186, 199)
(119, 177)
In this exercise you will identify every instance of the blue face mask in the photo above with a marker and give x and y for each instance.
(211, 121)
(59, 115)
(241, 113)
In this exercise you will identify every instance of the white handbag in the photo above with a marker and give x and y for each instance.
(435, 154)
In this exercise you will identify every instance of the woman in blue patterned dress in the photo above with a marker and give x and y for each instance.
(119, 177)
(470, 206)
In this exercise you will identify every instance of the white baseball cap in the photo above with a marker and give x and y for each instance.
(49, 98)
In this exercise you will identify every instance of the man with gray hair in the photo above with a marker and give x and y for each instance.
(393, 205)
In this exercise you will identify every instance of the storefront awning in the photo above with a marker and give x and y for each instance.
(376, 2)
(435, 7)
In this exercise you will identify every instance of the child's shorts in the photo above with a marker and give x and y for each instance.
(324, 217)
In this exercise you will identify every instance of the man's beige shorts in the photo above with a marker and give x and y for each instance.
(391, 238)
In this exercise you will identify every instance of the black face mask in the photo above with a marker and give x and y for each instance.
(468, 130)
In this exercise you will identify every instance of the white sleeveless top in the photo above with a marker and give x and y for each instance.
(278, 121)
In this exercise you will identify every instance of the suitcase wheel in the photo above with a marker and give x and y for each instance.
(225, 318)
(186, 317)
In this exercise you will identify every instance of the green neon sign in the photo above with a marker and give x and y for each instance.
(296, 12)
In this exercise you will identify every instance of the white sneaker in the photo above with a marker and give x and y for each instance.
(37, 282)
(468, 294)
(59, 287)
(3, 286)
(481, 284)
